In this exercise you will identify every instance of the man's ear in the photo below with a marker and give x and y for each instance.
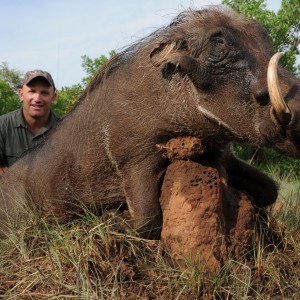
(20, 93)
(54, 97)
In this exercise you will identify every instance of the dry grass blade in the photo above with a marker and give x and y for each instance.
(93, 258)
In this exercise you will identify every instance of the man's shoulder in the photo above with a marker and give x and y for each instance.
(55, 115)
(11, 116)
(54, 118)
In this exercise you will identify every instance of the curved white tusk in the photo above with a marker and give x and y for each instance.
(281, 109)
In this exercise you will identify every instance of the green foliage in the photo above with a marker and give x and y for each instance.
(285, 30)
(9, 100)
(66, 98)
(268, 159)
(91, 66)
(10, 81)
(11, 76)
(283, 27)
(273, 160)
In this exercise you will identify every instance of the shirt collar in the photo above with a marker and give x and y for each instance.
(20, 122)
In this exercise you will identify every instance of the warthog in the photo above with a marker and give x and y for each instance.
(204, 75)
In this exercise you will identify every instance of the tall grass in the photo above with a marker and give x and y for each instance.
(94, 258)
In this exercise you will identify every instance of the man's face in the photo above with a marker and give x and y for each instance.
(37, 97)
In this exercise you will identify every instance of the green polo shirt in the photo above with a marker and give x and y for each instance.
(16, 138)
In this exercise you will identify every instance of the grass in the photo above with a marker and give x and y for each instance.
(90, 258)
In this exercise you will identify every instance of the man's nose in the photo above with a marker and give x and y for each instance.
(37, 96)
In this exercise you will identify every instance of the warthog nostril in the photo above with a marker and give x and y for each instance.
(262, 96)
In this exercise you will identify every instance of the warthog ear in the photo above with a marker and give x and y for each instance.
(177, 55)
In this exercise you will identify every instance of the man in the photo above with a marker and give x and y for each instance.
(23, 128)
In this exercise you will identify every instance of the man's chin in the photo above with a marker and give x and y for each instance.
(37, 114)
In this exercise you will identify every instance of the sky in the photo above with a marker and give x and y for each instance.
(53, 35)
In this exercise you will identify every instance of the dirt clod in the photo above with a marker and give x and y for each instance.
(182, 148)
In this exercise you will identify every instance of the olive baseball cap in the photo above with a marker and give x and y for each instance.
(30, 75)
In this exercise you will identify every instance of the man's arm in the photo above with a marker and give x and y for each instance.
(3, 167)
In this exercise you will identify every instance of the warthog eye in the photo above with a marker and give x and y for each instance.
(219, 40)
(219, 48)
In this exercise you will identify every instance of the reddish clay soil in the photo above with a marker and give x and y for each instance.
(203, 217)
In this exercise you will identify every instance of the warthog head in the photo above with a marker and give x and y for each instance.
(235, 75)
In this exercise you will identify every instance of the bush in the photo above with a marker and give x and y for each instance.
(66, 98)
(267, 159)
(9, 99)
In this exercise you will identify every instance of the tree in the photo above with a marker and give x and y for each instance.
(13, 77)
(91, 66)
(9, 100)
(68, 96)
(10, 81)
(283, 26)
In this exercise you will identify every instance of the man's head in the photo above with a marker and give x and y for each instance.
(37, 94)
(38, 74)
